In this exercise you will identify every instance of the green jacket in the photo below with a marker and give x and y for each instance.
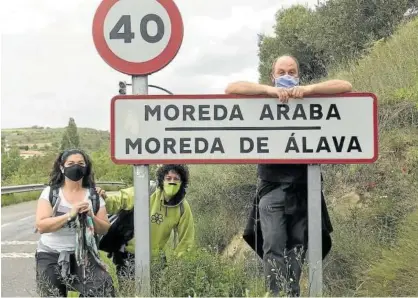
(165, 217)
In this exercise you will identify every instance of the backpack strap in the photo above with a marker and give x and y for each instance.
(181, 209)
(95, 200)
(53, 198)
(176, 228)
(93, 195)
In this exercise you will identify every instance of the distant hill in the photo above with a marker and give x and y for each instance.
(44, 138)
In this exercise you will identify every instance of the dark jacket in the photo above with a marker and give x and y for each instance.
(254, 225)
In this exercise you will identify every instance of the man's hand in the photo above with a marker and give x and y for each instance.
(299, 91)
(101, 192)
(281, 93)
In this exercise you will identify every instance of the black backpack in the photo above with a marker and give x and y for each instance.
(121, 231)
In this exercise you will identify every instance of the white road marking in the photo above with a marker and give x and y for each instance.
(22, 219)
(27, 217)
(18, 255)
(19, 242)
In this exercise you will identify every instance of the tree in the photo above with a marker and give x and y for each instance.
(10, 162)
(337, 31)
(348, 27)
(70, 138)
(295, 35)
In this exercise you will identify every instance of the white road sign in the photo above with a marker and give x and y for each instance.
(232, 129)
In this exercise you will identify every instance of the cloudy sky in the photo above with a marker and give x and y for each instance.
(50, 69)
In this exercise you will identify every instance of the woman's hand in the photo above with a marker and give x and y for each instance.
(80, 207)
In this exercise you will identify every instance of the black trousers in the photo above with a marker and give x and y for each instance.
(97, 282)
(284, 239)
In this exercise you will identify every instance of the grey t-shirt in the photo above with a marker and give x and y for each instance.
(64, 238)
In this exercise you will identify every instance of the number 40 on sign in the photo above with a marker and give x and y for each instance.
(137, 39)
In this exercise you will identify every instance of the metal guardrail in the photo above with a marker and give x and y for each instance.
(33, 187)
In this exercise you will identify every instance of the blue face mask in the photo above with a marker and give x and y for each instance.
(286, 81)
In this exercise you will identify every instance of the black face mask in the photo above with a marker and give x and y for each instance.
(75, 172)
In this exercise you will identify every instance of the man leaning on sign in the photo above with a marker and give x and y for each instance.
(277, 226)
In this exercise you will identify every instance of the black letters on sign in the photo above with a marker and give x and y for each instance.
(127, 35)
(144, 28)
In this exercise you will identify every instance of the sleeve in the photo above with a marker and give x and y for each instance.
(112, 203)
(186, 231)
(45, 194)
(124, 199)
(121, 200)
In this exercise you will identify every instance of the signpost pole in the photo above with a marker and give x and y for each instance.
(315, 230)
(141, 212)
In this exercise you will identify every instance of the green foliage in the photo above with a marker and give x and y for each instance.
(395, 273)
(49, 139)
(293, 35)
(27, 171)
(10, 163)
(338, 31)
(220, 197)
(106, 170)
(70, 138)
(200, 274)
(205, 274)
(387, 189)
(16, 198)
(3, 144)
(390, 66)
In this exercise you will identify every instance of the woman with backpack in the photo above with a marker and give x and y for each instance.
(169, 211)
(69, 216)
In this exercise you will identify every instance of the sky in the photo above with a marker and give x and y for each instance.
(51, 70)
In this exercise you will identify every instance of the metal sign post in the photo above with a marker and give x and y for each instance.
(141, 212)
(138, 37)
(314, 231)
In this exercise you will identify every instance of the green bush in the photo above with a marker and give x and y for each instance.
(201, 273)
(220, 197)
(395, 274)
(16, 198)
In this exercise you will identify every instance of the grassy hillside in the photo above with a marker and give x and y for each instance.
(372, 254)
(45, 138)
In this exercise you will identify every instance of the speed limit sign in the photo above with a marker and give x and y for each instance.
(137, 37)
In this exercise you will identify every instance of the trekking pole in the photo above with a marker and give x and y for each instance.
(84, 249)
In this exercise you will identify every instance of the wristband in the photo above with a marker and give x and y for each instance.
(70, 216)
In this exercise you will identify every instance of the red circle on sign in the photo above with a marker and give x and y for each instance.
(138, 68)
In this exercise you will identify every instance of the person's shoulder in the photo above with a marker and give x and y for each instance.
(45, 193)
(186, 203)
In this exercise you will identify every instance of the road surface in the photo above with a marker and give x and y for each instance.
(18, 245)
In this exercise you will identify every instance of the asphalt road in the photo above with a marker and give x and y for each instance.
(18, 245)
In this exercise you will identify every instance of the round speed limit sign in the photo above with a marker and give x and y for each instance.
(137, 37)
